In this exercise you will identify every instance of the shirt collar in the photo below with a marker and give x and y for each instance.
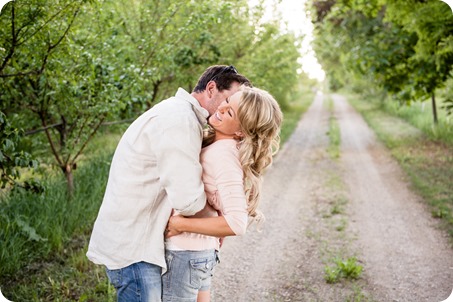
(201, 113)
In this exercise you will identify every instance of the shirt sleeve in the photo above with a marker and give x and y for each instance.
(230, 188)
(177, 154)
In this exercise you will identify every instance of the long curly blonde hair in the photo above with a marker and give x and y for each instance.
(260, 120)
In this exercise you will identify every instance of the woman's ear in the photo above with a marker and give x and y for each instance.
(239, 134)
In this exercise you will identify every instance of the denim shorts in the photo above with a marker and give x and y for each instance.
(138, 282)
(187, 273)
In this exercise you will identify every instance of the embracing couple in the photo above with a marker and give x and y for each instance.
(185, 174)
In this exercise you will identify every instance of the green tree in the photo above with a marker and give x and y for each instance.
(65, 92)
(68, 67)
(272, 62)
(432, 23)
(262, 50)
(164, 45)
(403, 47)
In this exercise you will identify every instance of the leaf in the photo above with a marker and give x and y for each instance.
(28, 230)
(8, 144)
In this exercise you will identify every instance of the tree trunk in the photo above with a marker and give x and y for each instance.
(69, 180)
(156, 85)
(433, 101)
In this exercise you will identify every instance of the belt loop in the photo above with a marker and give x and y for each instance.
(217, 258)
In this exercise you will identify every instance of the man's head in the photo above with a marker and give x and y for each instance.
(216, 84)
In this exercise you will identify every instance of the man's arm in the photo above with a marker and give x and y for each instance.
(178, 152)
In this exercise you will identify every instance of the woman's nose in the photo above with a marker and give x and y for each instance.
(222, 106)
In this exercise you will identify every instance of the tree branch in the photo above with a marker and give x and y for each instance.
(34, 131)
(46, 22)
(88, 139)
(15, 43)
(148, 58)
(49, 139)
(14, 39)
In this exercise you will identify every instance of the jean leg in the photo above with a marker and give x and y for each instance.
(188, 273)
(138, 282)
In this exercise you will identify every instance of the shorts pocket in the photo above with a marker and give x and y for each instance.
(200, 270)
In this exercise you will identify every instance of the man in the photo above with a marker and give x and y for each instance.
(155, 169)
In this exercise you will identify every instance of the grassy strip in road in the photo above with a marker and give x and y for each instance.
(339, 264)
(342, 267)
(425, 155)
(334, 132)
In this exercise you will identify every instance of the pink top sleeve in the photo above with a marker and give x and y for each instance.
(223, 179)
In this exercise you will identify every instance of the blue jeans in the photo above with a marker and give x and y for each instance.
(188, 272)
(138, 282)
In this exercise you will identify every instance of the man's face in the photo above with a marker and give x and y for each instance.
(220, 96)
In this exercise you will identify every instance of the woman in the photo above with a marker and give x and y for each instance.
(238, 148)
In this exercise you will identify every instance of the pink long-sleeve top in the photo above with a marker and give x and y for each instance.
(224, 187)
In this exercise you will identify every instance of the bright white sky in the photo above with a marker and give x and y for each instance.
(297, 20)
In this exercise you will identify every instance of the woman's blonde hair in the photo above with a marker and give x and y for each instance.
(260, 120)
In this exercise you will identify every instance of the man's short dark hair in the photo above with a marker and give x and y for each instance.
(223, 76)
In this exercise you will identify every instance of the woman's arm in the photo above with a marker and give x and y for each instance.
(210, 226)
(223, 173)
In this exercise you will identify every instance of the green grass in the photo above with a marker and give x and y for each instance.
(358, 296)
(41, 233)
(424, 151)
(342, 269)
(333, 133)
(419, 115)
(67, 277)
(292, 116)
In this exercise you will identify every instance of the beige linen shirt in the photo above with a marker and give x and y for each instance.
(155, 168)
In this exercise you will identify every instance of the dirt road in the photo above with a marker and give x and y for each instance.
(319, 209)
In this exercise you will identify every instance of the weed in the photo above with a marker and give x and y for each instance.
(358, 296)
(336, 209)
(338, 205)
(343, 269)
(342, 225)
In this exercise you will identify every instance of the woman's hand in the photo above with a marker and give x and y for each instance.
(172, 226)
(221, 239)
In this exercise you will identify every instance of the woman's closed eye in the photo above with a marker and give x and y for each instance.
(229, 110)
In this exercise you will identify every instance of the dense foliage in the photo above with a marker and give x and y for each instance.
(11, 159)
(404, 48)
(68, 68)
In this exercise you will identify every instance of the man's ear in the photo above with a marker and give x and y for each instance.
(210, 88)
